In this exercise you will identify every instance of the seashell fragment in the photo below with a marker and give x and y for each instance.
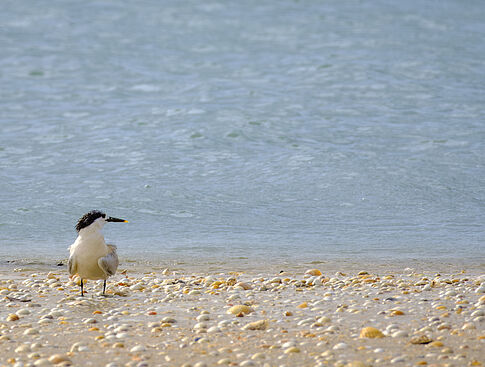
(12, 317)
(356, 364)
(314, 272)
(420, 339)
(237, 309)
(58, 358)
(371, 332)
(243, 285)
(292, 350)
(256, 325)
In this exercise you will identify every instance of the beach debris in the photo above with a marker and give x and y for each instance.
(238, 309)
(256, 325)
(160, 318)
(313, 272)
(420, 339)
(371, 332)
(14, 299)
(59, 358)
(13, 317)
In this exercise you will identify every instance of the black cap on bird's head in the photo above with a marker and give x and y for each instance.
(89, 218)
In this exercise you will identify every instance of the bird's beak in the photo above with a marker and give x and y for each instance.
(111, 219)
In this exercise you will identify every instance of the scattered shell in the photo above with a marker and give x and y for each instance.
(356, 364)
(58, 358)
(292, 350)
(256, 325)
(76, 346)
(31, 331)
(420, 339)
(42, 362)
(243, 285)
(137, 348)
(313, 272)
(340, 346)
(399, 334)
(12, 317)
(371, 332)
(399, 359)
(237, 309)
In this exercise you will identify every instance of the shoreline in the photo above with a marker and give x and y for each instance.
(256, 264)
(300, 317)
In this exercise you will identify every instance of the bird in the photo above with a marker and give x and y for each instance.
(89, 256)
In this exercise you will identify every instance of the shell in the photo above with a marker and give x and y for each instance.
(356, 364)
(13, 317)
(244, 285)
(314, 272)
(397, 313)
(371, 332)
(420, 339)
(237, 309)
(256, 325)
(58, 358)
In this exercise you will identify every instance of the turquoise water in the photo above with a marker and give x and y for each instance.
(293, 130)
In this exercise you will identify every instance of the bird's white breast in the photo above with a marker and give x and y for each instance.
(86, 250)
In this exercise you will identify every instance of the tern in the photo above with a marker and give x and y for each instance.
(90, 257)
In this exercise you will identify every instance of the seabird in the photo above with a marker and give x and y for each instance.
(90, 257)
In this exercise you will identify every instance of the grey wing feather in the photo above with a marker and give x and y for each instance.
(72, 265)
(109, 263)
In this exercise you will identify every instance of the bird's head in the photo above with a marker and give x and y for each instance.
(96, 218)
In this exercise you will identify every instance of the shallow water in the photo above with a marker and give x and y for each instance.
(250, 131)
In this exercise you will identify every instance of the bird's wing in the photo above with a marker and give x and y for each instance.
(72, 265)
(109, 263)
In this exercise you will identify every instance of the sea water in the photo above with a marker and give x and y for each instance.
(244, 130)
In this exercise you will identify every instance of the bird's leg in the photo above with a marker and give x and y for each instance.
(104, 287)
(82, 290)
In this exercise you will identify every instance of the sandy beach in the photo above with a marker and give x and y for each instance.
(302, 317)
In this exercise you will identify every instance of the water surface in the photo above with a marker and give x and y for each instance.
(290, 130)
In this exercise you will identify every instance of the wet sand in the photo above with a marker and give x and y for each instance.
(299, 317)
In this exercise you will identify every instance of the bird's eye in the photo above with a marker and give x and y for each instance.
(104, 215)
